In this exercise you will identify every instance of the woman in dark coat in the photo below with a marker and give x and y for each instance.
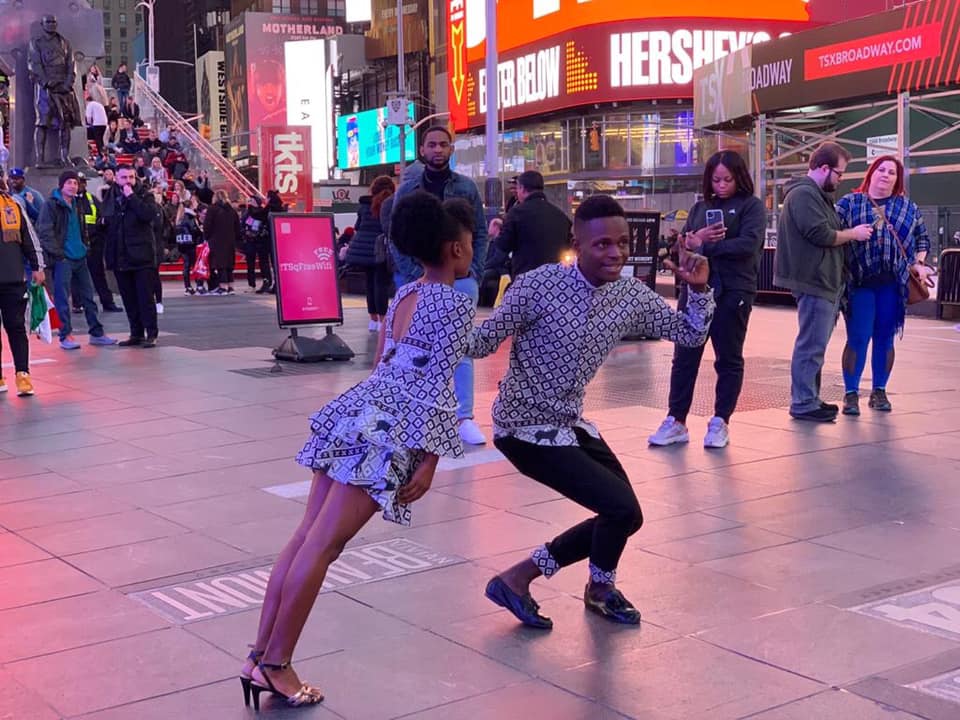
(222, 228)
(362, 249)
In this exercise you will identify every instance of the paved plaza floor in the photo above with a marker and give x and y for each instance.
(806, 572)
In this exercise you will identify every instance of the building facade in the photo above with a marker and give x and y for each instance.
(122, 22)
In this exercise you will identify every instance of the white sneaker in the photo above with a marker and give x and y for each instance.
(159, 308)
(373, 326)
(471, 434)
(718, 436)
(669, 432)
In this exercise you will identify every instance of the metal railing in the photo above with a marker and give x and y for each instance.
(200, 153)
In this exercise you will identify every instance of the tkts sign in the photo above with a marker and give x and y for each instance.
(555, 54)
(285, 165)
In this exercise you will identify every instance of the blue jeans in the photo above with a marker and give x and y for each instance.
(872, 315)
(463, 374)
(817, 318)
(75, 273)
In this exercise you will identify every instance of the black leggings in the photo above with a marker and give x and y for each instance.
(378, 288)
(189, 254)
(592, 477)
(728, 331)
(13, 305)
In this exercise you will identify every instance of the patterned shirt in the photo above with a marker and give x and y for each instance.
(563, 328)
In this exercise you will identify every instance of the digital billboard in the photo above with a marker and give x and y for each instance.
(555, 54)
(257, 72)
(363, 140)
(310, 99)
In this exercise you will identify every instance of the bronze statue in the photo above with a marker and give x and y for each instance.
(52, 71)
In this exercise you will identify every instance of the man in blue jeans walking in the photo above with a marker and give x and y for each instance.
(437, 178)
(63, 237)
(809, 262)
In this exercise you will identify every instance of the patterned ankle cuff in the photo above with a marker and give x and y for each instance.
(602, 577)
(545, 561)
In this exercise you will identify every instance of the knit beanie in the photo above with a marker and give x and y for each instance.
(66, 175)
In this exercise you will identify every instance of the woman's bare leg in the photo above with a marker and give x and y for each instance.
(345, 511)
(271, 601)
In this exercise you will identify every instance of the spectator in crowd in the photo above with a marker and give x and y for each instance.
(63, 235)
(112, 137)
(109, 178)
(188, 235)
(363, 253)
(131, 111)
(256, 236)
(878, 288)
(121, 84)
(496, 266)
(18, 247)
(175, 162)
(222, 230)
(153, 146)
(32, 198)
(131, 214)
(142, 170)
(733, 247)
(436, 177)
(200, 187)
(129, 140)
(94, 86)
(96, 117)
(810, 263)
(113, 110)
(511, 194)
(105, 160)
(96, 235)
(157, 176)
(535, 231)
(181, 190)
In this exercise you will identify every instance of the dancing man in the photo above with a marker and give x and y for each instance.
(564, 322)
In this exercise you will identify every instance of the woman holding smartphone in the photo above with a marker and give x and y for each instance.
(727, 226)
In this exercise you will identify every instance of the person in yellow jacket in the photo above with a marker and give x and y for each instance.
(18, 246)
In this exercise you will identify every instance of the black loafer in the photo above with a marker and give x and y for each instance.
(523, 607)
(613, 606)
(150, 342)
(131, 342)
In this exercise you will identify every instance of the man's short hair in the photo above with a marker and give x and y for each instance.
(436, 128)
(530, 180)
(598, 206)
(829, 153)
(124, 166)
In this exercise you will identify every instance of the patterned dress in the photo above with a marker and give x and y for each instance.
(376, 433)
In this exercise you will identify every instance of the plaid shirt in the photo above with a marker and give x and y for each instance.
(881, 254)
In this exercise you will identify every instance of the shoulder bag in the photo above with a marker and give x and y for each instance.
(918, 289)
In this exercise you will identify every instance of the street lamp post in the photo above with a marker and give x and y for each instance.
(153, 74)
(494, 194)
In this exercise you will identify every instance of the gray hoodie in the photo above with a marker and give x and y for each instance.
(808, 259)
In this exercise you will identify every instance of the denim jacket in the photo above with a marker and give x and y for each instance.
(458, 186)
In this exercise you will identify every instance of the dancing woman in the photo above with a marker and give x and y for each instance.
(375, 447)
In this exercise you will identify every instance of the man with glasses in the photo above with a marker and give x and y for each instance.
(810, 259)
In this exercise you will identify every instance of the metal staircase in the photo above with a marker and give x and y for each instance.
(200, 153)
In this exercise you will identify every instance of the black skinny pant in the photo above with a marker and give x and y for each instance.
(13, 305)
(259, 252)
(378, 288)
(728, 331)
(138, 288)
(592, 477)
(189, 254)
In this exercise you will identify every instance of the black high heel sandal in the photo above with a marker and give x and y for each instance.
(245, 680)
(306, 695)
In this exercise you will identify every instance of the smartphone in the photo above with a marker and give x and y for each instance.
(714, 216)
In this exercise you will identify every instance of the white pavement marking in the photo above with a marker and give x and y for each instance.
(39, 361)
(471, 459)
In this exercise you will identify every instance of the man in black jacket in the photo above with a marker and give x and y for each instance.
(536, 232)
(93, 219)
(17, 245)
(130, 213)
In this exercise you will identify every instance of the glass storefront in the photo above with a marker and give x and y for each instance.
(623, 144)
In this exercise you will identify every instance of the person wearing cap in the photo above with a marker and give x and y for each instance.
(63, 235)
(17, 246)
(535, 231)
(32, 198)
(96, 234)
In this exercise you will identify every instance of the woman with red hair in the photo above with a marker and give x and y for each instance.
(878, 277)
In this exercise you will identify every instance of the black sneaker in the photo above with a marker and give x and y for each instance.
(821, 414)
(131, 342)
(613, 606)
(150, 342)
(829, 406)
(879, 401)
(113, 309)
(851, 404)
